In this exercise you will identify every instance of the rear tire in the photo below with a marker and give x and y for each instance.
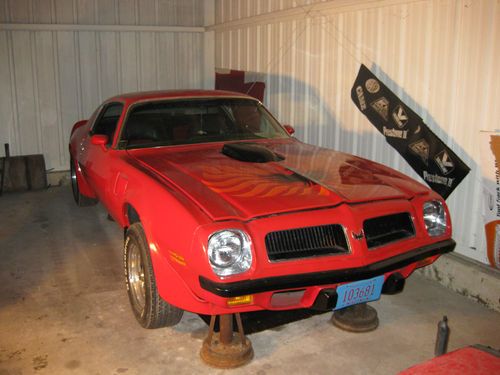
(80, 199)
(150, 310)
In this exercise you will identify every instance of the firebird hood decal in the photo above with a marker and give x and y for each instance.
(309, 177)
(229, 180)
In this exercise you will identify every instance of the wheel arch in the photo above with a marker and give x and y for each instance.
(171, 285)
(131, 214)
(83, 185)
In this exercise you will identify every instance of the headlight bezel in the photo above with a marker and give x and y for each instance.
(435, 218)
(229, 262)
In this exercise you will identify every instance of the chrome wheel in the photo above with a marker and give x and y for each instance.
(74, 181)
(80, 199)
(150, 309)
(135, 274)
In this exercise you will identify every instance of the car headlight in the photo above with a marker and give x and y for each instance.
(434, 218)
(229, 252)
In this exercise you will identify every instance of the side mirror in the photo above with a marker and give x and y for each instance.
(99, 139)
(289, 129)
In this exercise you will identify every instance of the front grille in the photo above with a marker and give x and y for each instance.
(306, 242)
(385, 229)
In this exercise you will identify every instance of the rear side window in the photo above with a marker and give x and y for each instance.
(107, 121)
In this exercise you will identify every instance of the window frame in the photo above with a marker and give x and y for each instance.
(132, 106)
(99, 117)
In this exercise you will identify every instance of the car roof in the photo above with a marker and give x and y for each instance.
(133, 97)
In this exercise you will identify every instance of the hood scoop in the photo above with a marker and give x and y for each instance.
(250, 152)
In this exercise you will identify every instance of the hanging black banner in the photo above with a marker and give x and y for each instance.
(404, 130)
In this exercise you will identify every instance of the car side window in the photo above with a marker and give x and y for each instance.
(107, 121)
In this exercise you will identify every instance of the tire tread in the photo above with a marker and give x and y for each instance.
(159, 312)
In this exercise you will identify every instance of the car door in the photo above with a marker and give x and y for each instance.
(99, 157)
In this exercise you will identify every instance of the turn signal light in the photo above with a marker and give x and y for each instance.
(240, 300)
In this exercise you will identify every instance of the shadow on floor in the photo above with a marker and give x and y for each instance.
(258, 321)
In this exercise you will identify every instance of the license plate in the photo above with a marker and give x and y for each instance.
(359, 292)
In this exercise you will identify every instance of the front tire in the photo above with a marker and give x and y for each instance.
(150, 310)
(81, 200)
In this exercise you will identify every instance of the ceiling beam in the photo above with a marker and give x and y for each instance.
(76, 27)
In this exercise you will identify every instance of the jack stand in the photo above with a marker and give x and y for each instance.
(224, 349)
(357, 318)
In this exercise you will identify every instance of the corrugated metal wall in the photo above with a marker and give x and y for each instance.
(438, 56)
(230, 10)
(50, 78)
(104, 12)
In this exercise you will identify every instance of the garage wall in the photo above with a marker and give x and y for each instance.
(104, 12)
(438, 56)
(60, 59)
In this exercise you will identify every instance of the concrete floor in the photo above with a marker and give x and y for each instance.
(64, 310)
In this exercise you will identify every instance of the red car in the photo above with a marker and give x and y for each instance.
(225, 212)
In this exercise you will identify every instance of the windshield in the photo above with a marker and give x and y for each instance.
(197, 121)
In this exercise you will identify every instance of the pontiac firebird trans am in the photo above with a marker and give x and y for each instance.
(225, 212)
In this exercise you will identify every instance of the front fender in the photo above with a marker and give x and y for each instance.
(169, 221)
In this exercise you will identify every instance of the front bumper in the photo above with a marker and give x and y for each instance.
(239, 288)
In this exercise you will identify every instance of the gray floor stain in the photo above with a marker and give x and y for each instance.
(73, 364)
(40, 362)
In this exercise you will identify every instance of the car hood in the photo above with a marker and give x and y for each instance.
(307, 177)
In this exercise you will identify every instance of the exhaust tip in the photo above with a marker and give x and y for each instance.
(394, 284)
